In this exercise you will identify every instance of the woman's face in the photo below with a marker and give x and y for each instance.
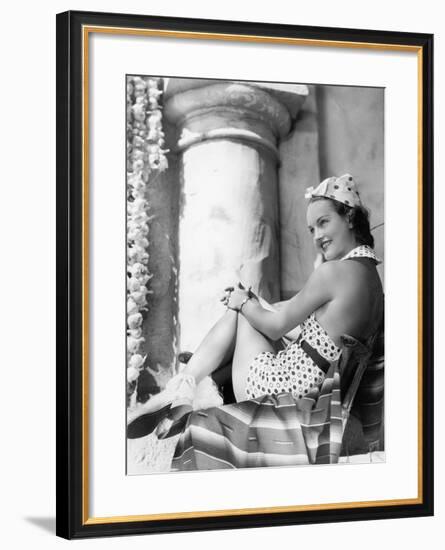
(332, 234)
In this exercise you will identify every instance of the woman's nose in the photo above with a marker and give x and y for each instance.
(317, 234)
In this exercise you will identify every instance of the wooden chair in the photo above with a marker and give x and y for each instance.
(362, 382)
(329, 407)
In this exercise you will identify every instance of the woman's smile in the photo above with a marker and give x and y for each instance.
(324, 244)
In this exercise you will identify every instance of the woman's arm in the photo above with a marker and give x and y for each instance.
(294, 333)
(270, 307)
(274, 324)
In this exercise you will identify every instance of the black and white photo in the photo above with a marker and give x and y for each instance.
(255, 242)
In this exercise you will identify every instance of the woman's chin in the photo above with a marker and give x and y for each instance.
(330, 255)
(327, 256)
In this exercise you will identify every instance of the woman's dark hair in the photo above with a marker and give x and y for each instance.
(357, 215)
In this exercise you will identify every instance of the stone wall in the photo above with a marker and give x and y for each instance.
(299, 169)
(351, 137)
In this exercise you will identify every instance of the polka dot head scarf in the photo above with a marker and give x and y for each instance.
(342, 189)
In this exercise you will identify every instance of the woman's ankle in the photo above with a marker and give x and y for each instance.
(181, 388)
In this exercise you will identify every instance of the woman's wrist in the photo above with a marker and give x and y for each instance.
(253, 300)
(240, 306)
(244, 302)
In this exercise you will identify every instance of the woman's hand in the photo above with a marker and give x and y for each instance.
(226, 294)
(235, 298)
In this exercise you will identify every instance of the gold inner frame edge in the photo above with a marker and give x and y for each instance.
(86, 30)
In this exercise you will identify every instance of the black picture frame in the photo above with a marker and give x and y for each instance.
(70, 427)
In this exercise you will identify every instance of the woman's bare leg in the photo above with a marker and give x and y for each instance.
(249, 343)
(231, 336)
(216, 348)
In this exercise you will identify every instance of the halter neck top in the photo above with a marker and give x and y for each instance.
(362, 251)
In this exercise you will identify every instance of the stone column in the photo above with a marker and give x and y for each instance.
(229, 206)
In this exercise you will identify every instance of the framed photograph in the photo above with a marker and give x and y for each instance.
(244, 274)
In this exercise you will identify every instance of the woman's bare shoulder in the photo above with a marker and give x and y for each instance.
(330, 270)
(346, 272)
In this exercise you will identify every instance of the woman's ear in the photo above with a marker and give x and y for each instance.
(350, 218)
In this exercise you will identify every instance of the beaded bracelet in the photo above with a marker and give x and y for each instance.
(246, 299)
(238, 310)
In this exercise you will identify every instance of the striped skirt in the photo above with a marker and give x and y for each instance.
(272, 430)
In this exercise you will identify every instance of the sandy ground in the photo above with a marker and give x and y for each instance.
(149, 455)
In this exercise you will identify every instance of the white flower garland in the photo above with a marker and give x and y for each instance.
(145, 159)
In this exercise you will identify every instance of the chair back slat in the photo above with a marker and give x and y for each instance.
(368, 406)
(353, 364)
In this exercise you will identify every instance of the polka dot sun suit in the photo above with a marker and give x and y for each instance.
(292, 370)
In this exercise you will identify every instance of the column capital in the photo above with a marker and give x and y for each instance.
(257, 113)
